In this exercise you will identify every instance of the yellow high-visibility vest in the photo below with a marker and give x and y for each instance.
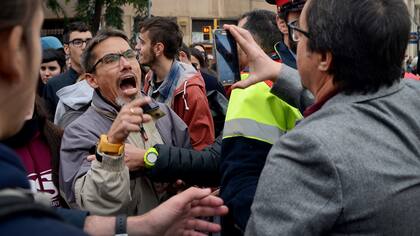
(258, 114)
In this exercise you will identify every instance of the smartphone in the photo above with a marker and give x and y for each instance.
(226, 57)
(153, 109)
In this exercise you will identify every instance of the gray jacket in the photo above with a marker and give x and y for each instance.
(351, 168)
(105, 188)
(288, 87)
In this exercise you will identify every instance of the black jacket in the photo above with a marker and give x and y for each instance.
(243, 160)
(193, 167)
(211, 81)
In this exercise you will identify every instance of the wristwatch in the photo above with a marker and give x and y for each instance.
(150, 157)
(121, 225)
(109, 148)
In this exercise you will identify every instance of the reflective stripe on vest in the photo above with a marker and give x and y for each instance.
(258, 114)
(251, 129)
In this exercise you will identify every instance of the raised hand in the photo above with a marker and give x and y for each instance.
(128, 120)
(261, 66)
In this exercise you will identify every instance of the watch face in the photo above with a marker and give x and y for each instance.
(151, 157)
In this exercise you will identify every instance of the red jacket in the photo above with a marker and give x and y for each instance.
(189, 101)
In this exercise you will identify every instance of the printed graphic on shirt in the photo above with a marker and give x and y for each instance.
(43, 183)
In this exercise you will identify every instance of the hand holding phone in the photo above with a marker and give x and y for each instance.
(226, 57)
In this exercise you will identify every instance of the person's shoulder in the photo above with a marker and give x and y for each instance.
(58, 79)
(413, 85)
(28, 225)
(327, 126)
(85, 123)
(87, 118)
(328, 118)
(190, 75)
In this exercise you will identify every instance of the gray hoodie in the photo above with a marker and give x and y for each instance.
(73, 97)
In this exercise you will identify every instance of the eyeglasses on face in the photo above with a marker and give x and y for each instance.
(79, 42)
(296, 32)
(113, 59)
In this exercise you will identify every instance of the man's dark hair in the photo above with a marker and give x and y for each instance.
(58, 55)
(367, 40)
(72, 27)
(263, 27)
(166, 31)
(184, 48)
(87, 59)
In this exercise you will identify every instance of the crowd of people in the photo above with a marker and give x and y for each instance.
(319, 137)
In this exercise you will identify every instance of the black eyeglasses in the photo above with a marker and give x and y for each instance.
(295, 31)
(113, 59)
(79, 42)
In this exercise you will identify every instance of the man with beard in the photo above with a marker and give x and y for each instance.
(104, 186)
(172, 82)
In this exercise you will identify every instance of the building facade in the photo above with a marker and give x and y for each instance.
(191, 15)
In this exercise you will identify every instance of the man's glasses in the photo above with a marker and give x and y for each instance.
(79, 42)
(295, 31)
(112, 59)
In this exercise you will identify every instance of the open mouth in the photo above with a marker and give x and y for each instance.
(128, 82)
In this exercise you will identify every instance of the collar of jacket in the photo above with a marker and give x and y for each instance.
(73, 74)
(104, 107)
(275, 57)
(169, 83)
(285, 54)
(359, 98)
(185, 76)
(318, 105)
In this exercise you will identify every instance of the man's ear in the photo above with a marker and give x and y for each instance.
(66, 49)
(91, 80)
(158, 49)
(325, 60)
(11, 57)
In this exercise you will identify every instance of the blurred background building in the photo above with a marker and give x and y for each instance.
(197, 18)
(193, 16)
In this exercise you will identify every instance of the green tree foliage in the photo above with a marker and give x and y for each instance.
(90, 11)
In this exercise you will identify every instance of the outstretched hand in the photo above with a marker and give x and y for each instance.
(261, 66)
(177, 216)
